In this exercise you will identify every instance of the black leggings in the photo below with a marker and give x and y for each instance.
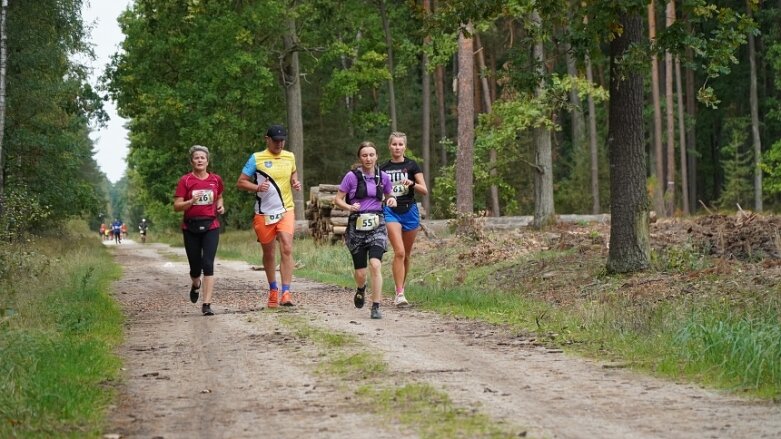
(360, 258)
(201, 249)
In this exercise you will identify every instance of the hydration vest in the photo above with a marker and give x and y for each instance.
(361, 191)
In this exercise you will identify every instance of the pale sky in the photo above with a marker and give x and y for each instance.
(111, 143)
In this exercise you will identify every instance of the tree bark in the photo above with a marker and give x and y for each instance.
(488, 108)
(426, 131)
(691, 133)
(592, 143)
(389, 43)
(544, 213)
(466, 122)
(629, 233)
(439, 82)
(295, 138)
(754, 102)
(658, 150)
(669, 192)
(578, 121)
(682, 141)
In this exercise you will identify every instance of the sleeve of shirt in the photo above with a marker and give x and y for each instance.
(250, 167)
(348, 183)
(387, 186)
(181, 189)
(220, 186)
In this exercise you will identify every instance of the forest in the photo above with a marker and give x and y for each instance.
(513, 107)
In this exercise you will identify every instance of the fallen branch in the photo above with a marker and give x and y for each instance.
(706, 207)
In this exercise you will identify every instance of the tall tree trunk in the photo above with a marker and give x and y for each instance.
(682, 140)
(466, 122)
(439, 82)
(544, 213)
(592, 143)
(3, 64)
(488, 108)
(754, 102)
(691, 133)
(630, 246)
(669, 192)
(389, 43)
(578, 121)
(426, 131)
(295, 139)
(658, 150)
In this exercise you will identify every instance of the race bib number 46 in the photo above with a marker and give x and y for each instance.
(203, 197)
(273, 219)
(367, 221)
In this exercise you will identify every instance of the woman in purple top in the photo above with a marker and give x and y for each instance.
(362, 193)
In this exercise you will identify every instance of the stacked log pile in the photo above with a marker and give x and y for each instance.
(327, 223)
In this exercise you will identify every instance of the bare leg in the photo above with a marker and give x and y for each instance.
(375, 265)
(286, 262)
(269, 261)
(208, 288)
(409, 241)
(399, 255)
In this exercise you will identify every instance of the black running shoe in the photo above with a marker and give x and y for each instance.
(359, 298)
(194, 293)
(376, 314)
(206, 309)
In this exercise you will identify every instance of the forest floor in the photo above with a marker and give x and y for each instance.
(247, 372)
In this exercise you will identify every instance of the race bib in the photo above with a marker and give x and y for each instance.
(274, 218)
(367, 222)
(400, 189)
(203, 197)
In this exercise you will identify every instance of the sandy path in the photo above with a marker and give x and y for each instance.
(239, 374)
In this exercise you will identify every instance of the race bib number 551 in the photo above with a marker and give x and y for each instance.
(367, 221)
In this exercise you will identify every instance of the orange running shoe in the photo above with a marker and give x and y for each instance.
(287, 299)
(273, 298)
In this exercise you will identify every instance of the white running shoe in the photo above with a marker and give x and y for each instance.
(401, 300)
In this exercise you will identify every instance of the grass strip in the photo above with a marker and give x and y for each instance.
(419, 406)
(57, 347)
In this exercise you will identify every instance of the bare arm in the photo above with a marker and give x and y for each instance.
(244, 183)
(294, 182)
(420, 184)
(181, 205)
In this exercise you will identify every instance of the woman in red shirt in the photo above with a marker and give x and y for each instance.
(199, 195)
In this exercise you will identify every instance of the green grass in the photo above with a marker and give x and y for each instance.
(431, 413)
(665, 337)
(418, 406)
(57, 345)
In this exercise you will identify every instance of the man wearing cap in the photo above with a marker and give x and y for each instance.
(271, 175)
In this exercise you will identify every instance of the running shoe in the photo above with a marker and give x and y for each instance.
(287, 299)
(194, 293)
(359, 298)
(400, 301)
(206, 309)
(376, 314)
(273, 298)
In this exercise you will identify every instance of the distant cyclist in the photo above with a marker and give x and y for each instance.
(143, 226)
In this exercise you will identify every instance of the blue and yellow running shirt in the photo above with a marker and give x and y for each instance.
(277, 169)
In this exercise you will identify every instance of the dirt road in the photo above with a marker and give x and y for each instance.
(243, 374)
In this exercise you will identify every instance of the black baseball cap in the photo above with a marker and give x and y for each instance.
(276, 132)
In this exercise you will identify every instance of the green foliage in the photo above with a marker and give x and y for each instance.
(738, 166)
(742, 349)
(59, 333)
(49, 106)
